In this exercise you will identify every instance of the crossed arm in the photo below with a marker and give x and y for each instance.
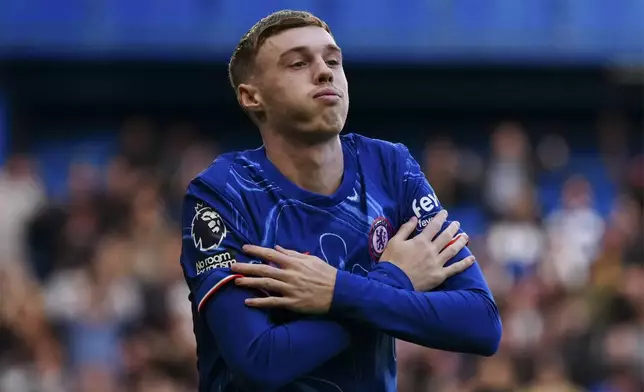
(266, 355)
(461, 318)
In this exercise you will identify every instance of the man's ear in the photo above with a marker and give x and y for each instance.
(249, 97)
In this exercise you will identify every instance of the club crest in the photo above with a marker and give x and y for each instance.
(379, 235)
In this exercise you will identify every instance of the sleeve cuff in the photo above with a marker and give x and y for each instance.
(390, 274)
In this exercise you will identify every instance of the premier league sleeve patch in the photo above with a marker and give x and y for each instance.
(208, 229)
(379, 235)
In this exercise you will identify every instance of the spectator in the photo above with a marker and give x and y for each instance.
(574, 232)
(21, 195)
(510, 168)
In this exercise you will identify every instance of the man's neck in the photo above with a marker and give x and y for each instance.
(317, 168)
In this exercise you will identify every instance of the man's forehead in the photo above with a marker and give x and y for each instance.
(310, 37)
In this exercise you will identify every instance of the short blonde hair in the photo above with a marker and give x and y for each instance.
(242, 62)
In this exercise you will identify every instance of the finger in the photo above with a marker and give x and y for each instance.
(268, 254)
(453, 248)
(289, 252)
(459, 266)
(430, 231)
(268, 302)
(261, 270)
(265, 284)
(447, 236)
(406, 229)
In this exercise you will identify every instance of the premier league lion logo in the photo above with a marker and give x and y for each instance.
(208, 229)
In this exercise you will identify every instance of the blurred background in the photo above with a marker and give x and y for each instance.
(526, 115)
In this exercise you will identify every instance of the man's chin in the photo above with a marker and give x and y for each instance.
(318, 133)
(321, 134)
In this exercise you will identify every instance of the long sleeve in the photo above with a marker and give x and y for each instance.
(460, 315)
(262, 355)
(260, 352)
(464, 320)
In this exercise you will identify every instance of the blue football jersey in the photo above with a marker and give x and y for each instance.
(243, 199)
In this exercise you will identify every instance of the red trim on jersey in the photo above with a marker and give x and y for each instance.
(453, 241)
(216, 287)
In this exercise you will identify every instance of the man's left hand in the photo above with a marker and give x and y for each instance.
(305, 282)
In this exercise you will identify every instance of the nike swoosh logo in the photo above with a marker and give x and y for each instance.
(355, 195)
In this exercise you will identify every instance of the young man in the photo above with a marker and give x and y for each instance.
(298, 254)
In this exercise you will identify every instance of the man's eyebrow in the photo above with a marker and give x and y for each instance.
(333, 48)
(297, 49)
(304, 49)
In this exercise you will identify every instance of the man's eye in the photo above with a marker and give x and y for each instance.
(333, 62)
(298, 64)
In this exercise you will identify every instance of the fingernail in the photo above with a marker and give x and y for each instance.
(245, 248)
(458, 224)
(445, 213)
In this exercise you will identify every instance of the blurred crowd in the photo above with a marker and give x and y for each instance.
(92, 297)
(569, 283)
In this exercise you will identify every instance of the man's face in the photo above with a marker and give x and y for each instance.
(300, 82)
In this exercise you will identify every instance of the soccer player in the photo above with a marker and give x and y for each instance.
(307, 257)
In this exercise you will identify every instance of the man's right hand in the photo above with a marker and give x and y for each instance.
(422, 258)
